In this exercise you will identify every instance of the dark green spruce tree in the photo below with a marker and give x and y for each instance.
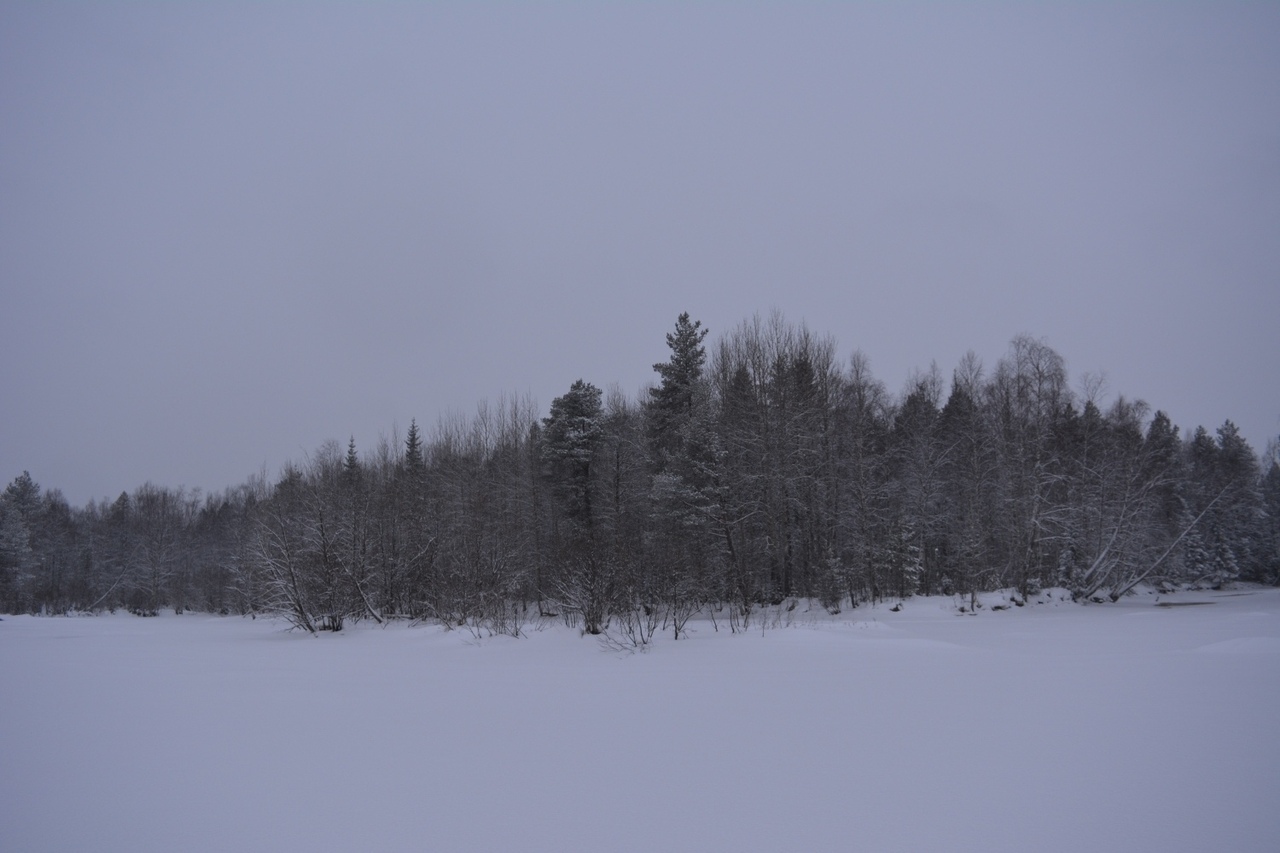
(585, 580)
(681, 434)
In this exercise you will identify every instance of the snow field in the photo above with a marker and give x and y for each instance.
(1054, 727)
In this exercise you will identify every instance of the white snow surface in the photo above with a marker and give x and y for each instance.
(1050, 727)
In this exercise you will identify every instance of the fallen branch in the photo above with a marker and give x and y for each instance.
(1124, 590)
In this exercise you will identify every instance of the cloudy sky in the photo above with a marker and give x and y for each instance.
(231, 232)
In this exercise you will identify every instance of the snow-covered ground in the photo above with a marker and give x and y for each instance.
(1050, 727)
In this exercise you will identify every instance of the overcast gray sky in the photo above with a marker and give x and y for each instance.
(230, 232)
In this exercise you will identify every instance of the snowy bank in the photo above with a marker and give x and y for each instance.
(1055, 728)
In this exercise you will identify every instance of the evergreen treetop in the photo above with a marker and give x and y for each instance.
(683, 369)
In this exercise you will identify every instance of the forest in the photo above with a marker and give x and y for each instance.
(757, 468)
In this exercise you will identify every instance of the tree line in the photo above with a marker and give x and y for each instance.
(755, 471)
